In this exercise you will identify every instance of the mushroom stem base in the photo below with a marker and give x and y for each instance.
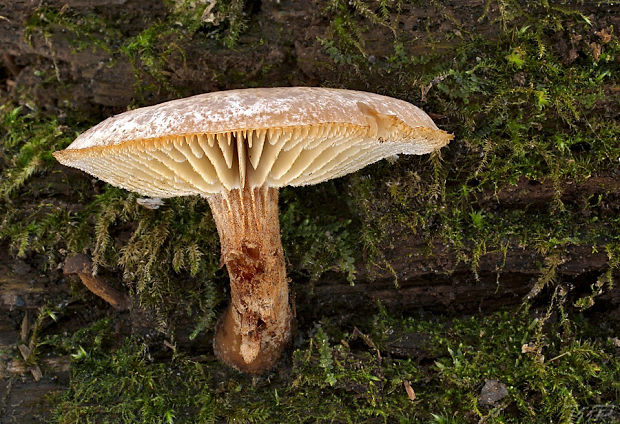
(256, 327)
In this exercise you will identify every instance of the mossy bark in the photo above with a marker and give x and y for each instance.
(545, 54)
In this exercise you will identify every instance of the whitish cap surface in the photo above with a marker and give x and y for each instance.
(264, 136)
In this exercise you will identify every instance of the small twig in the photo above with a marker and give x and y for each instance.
(425, 89)
(170, 346)
(81, 265)
(558, 357)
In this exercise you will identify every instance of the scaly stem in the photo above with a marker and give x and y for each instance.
(256, 327)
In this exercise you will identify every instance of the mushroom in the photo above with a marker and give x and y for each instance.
(237, 148)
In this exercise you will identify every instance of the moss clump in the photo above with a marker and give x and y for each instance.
(317, 240)
(531, 102)
(152, 46)
(553, 372)
(87, 31)
(50, 214)
(27, 140)
(528, 105)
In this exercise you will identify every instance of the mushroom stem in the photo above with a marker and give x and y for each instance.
(255, 329)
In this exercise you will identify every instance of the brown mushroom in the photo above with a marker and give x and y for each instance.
(237, 148)
(81, 266)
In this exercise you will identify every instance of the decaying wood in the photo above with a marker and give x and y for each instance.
(289, 51)
(51, 366)
(25, 402)
(436, 282)
(282, 43)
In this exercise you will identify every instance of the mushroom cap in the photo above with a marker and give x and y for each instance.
(224, 140)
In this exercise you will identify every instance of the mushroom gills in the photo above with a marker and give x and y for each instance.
(207, 163)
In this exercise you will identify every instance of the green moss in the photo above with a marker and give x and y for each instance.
(522, 111)
(150, 51)
(170, 253)
(155, 47)
(224, 20)
(27, 140)
(342, 374)
(317, 240)
(86, 30)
